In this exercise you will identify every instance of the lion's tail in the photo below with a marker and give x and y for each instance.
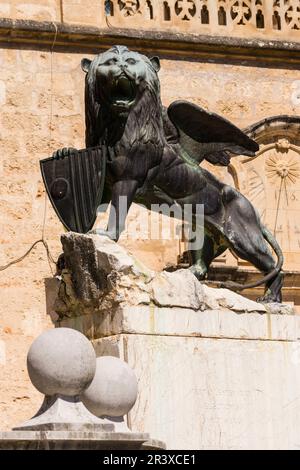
(274, 244)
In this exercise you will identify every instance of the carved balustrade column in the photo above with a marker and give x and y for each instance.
(162, 13)
(268, 12)
(212, 6)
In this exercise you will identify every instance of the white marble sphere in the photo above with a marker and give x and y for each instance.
(113, 391)
(61, 361)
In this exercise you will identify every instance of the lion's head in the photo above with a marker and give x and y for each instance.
(117, 81)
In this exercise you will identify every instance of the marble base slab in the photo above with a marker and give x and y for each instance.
(169, 321)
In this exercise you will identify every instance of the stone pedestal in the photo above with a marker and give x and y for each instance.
(215, 370)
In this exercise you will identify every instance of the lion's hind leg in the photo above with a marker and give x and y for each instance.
(243, 229)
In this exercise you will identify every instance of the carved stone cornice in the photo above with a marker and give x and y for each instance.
(41, 34)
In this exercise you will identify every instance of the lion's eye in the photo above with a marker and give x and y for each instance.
(131, 61)
(111, 62)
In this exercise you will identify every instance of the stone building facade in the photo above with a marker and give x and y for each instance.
(238, 58)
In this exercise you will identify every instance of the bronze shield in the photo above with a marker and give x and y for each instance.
(74, 184)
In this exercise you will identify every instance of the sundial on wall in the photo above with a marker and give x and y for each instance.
(272, 181)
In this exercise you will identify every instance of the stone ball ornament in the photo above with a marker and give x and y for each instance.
(62, 364)
(113, 391)
(61, 361)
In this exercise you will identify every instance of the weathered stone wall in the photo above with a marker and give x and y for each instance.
(42, 109)
(41, 10)
(88, 12)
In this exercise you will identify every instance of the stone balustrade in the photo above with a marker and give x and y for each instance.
(250, 19)
(276, 19)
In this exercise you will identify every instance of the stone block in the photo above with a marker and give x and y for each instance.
(40, 10)
(84, 12)
(213, 393)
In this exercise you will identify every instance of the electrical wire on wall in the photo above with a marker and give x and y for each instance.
(42, 240)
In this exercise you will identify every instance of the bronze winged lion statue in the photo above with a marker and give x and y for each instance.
(151, 155)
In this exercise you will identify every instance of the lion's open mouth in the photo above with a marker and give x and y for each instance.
(123, 92)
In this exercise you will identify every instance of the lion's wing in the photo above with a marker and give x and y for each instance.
(205, 135)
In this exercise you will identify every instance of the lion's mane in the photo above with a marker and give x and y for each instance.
(145, 117)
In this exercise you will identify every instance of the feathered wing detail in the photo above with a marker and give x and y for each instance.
(207, 136)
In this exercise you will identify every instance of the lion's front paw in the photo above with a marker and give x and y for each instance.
(269, 299)
(64, 152)
(198, 271)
